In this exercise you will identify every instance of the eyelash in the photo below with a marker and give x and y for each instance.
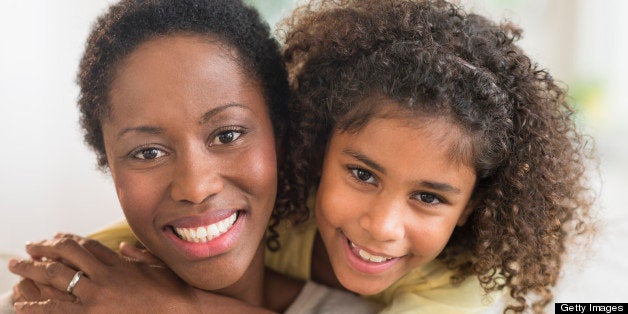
(353, 170)
(145, 148)
(136, 153)
(226, 130)
(439, 200)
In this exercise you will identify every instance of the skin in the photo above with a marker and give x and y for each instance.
(393, 190)
(189, 143)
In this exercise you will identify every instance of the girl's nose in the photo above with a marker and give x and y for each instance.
(384, 220)
(196, 179)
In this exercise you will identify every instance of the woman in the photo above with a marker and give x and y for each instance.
(182, 101)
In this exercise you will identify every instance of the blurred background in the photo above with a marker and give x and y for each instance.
(49, 181)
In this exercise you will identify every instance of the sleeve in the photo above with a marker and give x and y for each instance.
(319, 299)
(6, 303)
(114, 234)
(429, 290)
(294, 257)
(406, 303)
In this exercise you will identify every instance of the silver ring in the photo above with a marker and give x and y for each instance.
(74, 281)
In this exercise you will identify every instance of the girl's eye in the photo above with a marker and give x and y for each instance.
(226, 137)
(149, 153)
(428, 198)
(363, 175)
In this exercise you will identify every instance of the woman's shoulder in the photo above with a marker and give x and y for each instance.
(294, 256)
(111, 236)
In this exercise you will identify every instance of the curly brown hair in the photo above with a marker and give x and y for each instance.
(129, 23)
(434, 59)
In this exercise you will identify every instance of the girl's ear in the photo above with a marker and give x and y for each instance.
(465, 214)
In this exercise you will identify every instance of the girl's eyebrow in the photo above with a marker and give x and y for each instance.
(363, 158)
(209, 114)
(438, 186)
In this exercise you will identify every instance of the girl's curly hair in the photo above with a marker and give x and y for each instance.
(433, 59)
(129, 23)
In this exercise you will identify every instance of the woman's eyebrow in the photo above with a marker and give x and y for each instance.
(141, 129)
(363, 158)
(209, 114)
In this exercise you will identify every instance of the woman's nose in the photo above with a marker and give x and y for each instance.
(196, 178)
(384, 220)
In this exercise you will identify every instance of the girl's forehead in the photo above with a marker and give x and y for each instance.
(439, 130)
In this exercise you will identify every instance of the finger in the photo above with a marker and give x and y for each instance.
(102, 252)
(69, 251)
(26, 290)
(99, 250)
(140, 255)
(51, 273)
(48, 306)
(49, 292)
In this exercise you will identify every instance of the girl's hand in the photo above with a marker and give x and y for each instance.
(109, 284)
(139, 255)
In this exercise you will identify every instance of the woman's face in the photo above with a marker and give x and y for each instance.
(389, 198)
(191, 149)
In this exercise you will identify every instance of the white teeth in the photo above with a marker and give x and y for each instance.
(206, 233)
(366, 256)
(201, 232)
(212, 230)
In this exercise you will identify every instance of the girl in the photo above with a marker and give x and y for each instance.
(451, 163)
(181, 101)
(445, 163)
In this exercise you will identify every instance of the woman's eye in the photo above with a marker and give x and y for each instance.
(363, 175)
(226, 137)
(428, 198)
(149, 153)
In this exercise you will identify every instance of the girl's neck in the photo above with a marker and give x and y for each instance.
(321, 270)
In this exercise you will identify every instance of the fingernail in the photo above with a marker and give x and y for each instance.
(12, 262)
(28, 243)
(19, 305)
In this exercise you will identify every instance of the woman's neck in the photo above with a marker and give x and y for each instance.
(250, 287)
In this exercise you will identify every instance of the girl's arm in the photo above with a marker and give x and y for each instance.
(110, 283)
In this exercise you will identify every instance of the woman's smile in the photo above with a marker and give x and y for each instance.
(191, 149)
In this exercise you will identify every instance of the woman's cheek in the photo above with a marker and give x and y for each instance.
(135, 193)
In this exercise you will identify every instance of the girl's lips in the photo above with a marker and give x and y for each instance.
(195, 245)
(364, 261)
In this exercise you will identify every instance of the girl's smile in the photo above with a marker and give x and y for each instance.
(389, 198)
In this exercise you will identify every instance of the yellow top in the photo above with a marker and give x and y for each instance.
(427, 289)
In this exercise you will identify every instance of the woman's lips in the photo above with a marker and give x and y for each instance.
(199, 240)
(208, 232)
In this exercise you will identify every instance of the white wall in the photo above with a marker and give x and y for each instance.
(48, 178)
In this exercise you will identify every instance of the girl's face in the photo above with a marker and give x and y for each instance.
(191, 149)
(389, 198)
